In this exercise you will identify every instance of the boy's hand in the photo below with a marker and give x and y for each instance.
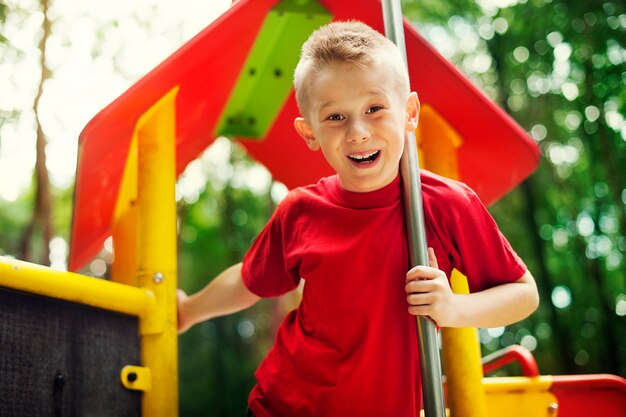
(183, 321)
(429, 293)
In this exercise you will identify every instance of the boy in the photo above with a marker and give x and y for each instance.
(350, 347)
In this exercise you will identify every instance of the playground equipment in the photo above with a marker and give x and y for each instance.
(116, 347)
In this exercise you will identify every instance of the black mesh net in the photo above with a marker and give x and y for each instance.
(64, 359)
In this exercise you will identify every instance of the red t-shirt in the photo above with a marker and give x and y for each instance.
(350, 348)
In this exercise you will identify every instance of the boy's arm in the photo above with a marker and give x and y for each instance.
(226, 294)
(429, 294)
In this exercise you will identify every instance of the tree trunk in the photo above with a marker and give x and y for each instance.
(42, 213)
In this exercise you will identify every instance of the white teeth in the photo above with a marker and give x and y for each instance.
(358, 157)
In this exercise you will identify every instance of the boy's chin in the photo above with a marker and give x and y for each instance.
(366, 185)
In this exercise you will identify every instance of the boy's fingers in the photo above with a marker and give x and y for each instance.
(425, 272)
(432, 259)
(181, 295)
(422, 272)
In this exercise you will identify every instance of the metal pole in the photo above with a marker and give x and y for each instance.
(430, 363)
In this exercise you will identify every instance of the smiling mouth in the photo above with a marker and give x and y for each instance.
(365, 158)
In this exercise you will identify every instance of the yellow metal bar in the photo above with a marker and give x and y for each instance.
(156, 257)
(461, 357)
(68, 286)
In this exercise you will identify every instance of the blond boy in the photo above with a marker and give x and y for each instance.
(350, 349)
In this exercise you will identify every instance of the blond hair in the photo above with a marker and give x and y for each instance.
(350, 42)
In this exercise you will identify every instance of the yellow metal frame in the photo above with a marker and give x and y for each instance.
(144, 242)
(44, 281)
(520, 397)
(145, 268)
(156, 258)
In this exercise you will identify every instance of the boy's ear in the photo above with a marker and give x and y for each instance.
(412, 112)
(306, 133)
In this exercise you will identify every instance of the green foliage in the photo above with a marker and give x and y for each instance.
(435, 11)
(218, 358)
(560, 73)
(14, 216)
(4, 8)
(62, 211)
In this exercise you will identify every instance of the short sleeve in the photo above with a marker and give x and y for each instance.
(267, 270)
(483, 254)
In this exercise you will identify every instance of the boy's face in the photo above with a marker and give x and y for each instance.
(358, 118)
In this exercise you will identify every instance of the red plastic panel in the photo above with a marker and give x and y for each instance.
(590, 395)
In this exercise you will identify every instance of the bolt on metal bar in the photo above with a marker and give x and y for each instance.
(430, 363)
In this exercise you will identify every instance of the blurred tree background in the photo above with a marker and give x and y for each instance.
(558, 67)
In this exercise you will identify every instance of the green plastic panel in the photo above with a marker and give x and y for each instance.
(266, 77)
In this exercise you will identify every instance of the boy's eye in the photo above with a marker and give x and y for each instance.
(335, 117)
(374, 109)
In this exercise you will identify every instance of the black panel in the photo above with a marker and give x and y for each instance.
(62, 359)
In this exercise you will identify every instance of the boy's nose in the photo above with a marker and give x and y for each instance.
(358, 132)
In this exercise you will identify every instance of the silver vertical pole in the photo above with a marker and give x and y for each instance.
(432, 387)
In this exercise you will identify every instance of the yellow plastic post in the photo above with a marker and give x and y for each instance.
(438, 142)
(461, 358)
(156, 252)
